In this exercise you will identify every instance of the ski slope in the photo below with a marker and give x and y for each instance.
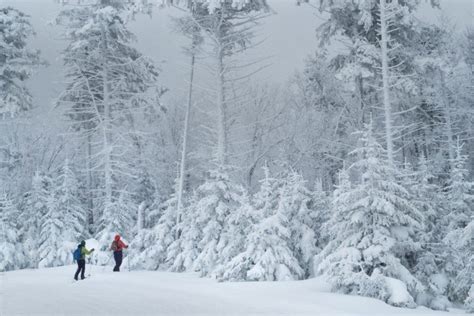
(52, 292)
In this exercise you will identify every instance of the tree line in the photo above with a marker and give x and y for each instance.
(358, 169)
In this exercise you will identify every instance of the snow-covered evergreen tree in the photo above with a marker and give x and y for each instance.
(320, 205)
(36, 206)
(216, 200)
(73, 213)
(183, 251)
(425, 194)
(50, 235)
(268, 254)
(379, 35)
(64, 222)
(470, 300)
(11, 250)
(294, 202)
(428, 268)
(149, 249)
(110, 85)
(374, 226)
(459, 228)
(238, 226)
(17, 62)
(459, 193)
(465, 278)
(117, 218)
(205, 231)
(341, 189)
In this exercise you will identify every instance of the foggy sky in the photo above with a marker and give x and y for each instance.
(290, 38)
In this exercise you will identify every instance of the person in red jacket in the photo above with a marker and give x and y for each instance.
(117, 246)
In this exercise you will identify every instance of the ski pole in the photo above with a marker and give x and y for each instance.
(128, 261)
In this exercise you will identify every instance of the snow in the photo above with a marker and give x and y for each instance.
(399, 295)
(441, 281)
(101, 160)
(51, 291)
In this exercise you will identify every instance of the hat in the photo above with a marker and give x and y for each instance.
(83, 243)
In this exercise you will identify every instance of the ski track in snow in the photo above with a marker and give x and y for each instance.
(52, 292)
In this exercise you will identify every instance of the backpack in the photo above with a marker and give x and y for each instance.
(77, 254)
(114, 246)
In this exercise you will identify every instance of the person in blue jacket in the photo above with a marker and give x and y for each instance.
(81, 262)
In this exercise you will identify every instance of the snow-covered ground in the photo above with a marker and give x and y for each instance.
(51, 292)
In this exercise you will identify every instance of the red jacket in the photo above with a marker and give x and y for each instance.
(117, 244)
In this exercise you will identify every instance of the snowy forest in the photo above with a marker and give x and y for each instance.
(359, 169)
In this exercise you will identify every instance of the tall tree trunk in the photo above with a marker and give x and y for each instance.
(221, 110)
(90, 198)
(182, 168)
(385, 79)
(106, 126)
(447, 117)
(107, 143)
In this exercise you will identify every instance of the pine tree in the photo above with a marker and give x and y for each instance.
(117, 218)
(320, 204)
(64, 220)
(374, 227)
(268, 254)
(110, 86)
(73, 213)
(17, 62)
(184, 250)
(458, 223)
(238, 226)
(11, 250)
(32, 215)
(465, 277)
(470, 300)
(50, 235)
(215, 200)
(380, 35)
(145, 197)
(428, 266)
(294, 202)
(150, 246)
